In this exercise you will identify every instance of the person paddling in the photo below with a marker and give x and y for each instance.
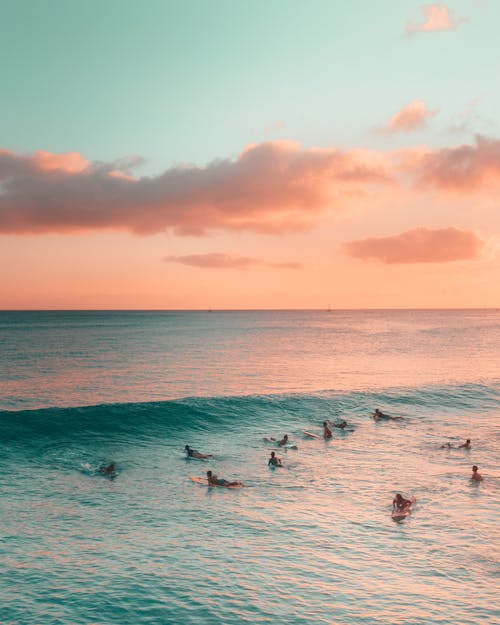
(109, 469)
(192, 453)
(213, 480)
(378, 414)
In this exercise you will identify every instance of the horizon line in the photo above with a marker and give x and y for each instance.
(210, 310)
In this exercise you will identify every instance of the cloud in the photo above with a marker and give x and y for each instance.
(411, 117)
(271, 187)
(274, 127)
(437, 17)
(226, 261)
(464, 168)
(418, 246)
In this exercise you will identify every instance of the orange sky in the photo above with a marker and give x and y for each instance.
(277, 176)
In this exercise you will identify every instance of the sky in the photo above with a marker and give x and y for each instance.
(243, 154)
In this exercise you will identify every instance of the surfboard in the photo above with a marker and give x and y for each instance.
(399, 515)
(203, 480)
(311, 434)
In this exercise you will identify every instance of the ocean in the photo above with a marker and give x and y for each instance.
(312, 542)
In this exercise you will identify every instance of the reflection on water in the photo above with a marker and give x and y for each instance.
(72, 359)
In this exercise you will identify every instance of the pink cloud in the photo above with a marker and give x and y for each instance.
(71, 163)
(214, 261)
(418, 246)
(40, 163)
(271, 187)
(464, 168)
(226, 261)
(411, 117)
(437, 17)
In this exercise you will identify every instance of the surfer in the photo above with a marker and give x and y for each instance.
(192, 453)
(213, 480)
(109, 469)
(476, 476)
(465, 445)
(283, 441)
(327, 433)
(377, 415)
(342, 424)
(274, 461)
(400, 504)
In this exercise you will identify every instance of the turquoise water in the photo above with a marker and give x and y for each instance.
(310, 543)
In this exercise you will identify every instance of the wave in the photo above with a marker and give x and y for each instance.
(150, 420)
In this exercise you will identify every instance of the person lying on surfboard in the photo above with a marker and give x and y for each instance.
(284, 442)
(476, 476)
(192, 453)
(400, 504)
(465, 445)
(109, 469)
(213, 480)
(381, 415)
(327, 433)
(274, 461)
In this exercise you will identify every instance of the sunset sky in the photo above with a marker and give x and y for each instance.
(199, 154)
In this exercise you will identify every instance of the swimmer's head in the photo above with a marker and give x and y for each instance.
(209, 473)
(475, 468)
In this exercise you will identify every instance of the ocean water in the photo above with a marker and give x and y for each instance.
(312, 542)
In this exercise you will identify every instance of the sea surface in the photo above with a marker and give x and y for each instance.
(310, 543)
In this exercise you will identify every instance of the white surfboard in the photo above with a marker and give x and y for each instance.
(311, 434)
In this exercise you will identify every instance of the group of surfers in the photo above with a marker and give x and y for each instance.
(400, 504)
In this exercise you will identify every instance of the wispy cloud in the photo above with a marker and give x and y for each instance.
(411, 117)
(471, 120)
(437, 17)
(274, 127)
(271, 187)
(418, 246)
(226, 261)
